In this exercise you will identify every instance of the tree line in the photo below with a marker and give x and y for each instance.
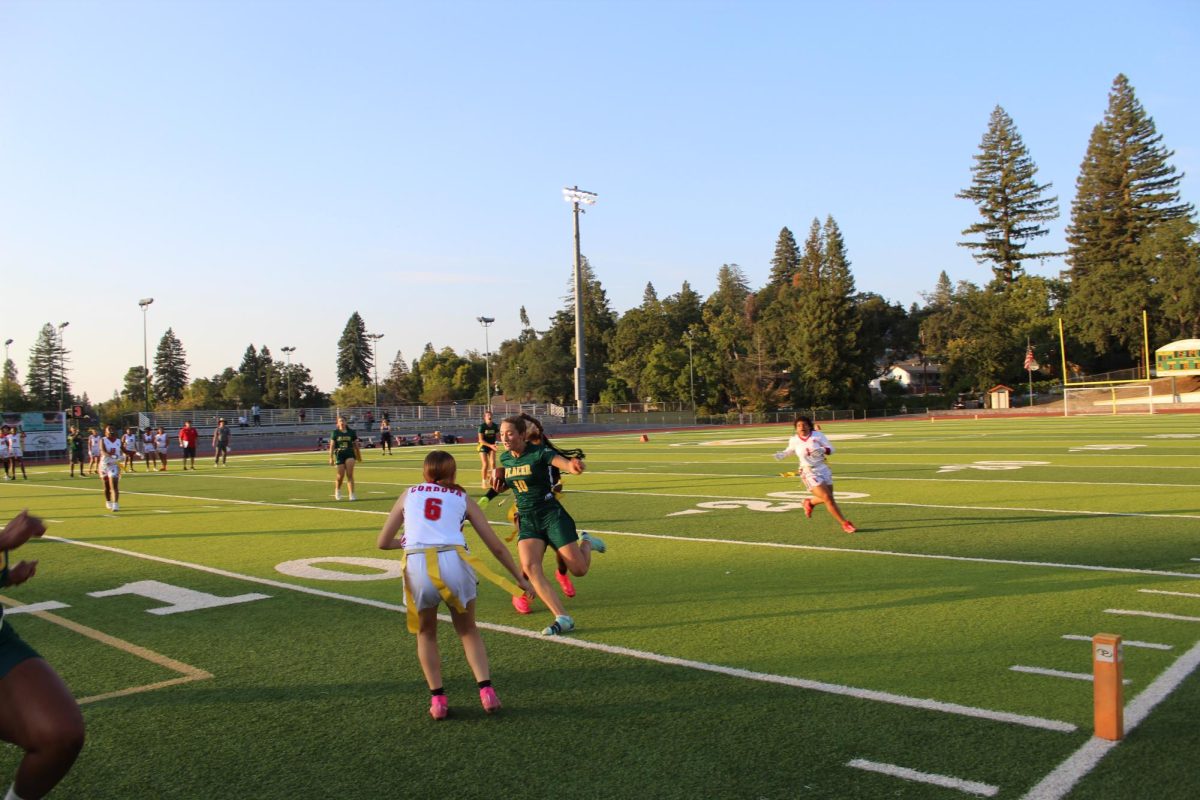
(808, 337)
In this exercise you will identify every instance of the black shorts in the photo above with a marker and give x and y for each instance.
(76, 456)
(189, 452)
(13, 649)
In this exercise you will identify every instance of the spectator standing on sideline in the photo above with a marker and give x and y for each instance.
(256, 415)
(188, 436)
(75, 442)
(221, 443)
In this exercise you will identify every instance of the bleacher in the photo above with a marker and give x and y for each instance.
(279, 428)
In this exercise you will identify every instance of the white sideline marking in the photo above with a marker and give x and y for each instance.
(734, 672)
(970, 787)
(1056, 673)
(1061, 780)
(1144, 645)
(1157, 615)
(162, 511)
(1164, 591)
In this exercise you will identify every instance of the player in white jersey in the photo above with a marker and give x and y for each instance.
(4, 454)
(161, 444)
(16, 451)
(93, 452)
(129, 445)
(812, 447)
(149, 451)
(437, 566)
(111, 451)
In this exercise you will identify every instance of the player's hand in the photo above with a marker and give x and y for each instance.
(21, 573)
(781, 455)
(527, 587)
(20, 529)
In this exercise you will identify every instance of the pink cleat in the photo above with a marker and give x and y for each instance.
(564, 580)
(439, 707)
(521, 604)
(848, 527)
(487, 696)
(808, 507)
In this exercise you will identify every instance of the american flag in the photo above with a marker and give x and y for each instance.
(1030, 362)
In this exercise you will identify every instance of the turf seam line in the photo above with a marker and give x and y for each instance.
(1164, 591)
(1075, 767)
(1127, 612)
(1057, 673)
(970, 787)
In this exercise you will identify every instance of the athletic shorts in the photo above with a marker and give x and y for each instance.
(13, 649)
(221, 448)
(385, 437)
(486, 450)
(110, 469)
(454, 572)
(148, 452)
(817, 476)
(76, 456)
(189, 452)
(341, 460)
(552, 525)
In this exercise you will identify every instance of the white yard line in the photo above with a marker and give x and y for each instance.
(1079, 637)
(784, 680)
(970, 787)
(1063, 778)
(1163, 591)
(1056, 673)
(1155, 614)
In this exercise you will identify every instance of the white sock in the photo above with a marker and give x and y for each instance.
(12, 793)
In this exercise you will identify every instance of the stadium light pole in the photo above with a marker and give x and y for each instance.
(287, 351)
(487, 358)
(375, 337)
(7, 342)
(145, 303)
(62, 367)
(577, 197)
(691, 374)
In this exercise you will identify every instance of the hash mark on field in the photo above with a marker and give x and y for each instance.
(1144, 645)
(970, 787)
(1164, 591)
(162, 511)
(48, 605)
(1157, 615)
(1056, 673)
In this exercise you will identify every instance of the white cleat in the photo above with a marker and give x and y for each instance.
(115, 508)
(337, 494)
(352, 497)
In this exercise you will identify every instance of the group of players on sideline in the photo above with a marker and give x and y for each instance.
(426, 523)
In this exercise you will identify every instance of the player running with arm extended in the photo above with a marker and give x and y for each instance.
(811, 447)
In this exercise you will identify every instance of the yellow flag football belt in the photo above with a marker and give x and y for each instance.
(432, 569)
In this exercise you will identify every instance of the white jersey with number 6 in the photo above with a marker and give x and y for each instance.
(433, 517)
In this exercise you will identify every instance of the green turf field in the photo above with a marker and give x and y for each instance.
(726, 646)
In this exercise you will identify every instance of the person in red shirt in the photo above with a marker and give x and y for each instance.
(187, 439)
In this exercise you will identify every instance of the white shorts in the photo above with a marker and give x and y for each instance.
(817, 476)
(454, 572)
(149, 450)
(110, 469)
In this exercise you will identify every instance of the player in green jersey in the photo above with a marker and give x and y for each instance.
(344, 452)
(525, 468)
(488, 431)
(37, 711)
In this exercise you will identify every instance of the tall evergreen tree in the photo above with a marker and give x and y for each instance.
(170, 368)
(785, 260)
(1010, 200)
(45, 379)
(1125, 190)
(12, 396)
(354, 352)
(599, 323)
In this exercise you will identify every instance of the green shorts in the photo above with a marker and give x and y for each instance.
(552, 525)
(13, 649)
(341, 458)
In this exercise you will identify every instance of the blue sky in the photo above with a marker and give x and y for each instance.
(264, 169)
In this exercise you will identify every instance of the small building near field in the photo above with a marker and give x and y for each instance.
(915, 375)
(998, 396)
(1178, 358)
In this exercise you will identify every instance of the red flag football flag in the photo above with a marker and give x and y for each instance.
(1030, 362)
